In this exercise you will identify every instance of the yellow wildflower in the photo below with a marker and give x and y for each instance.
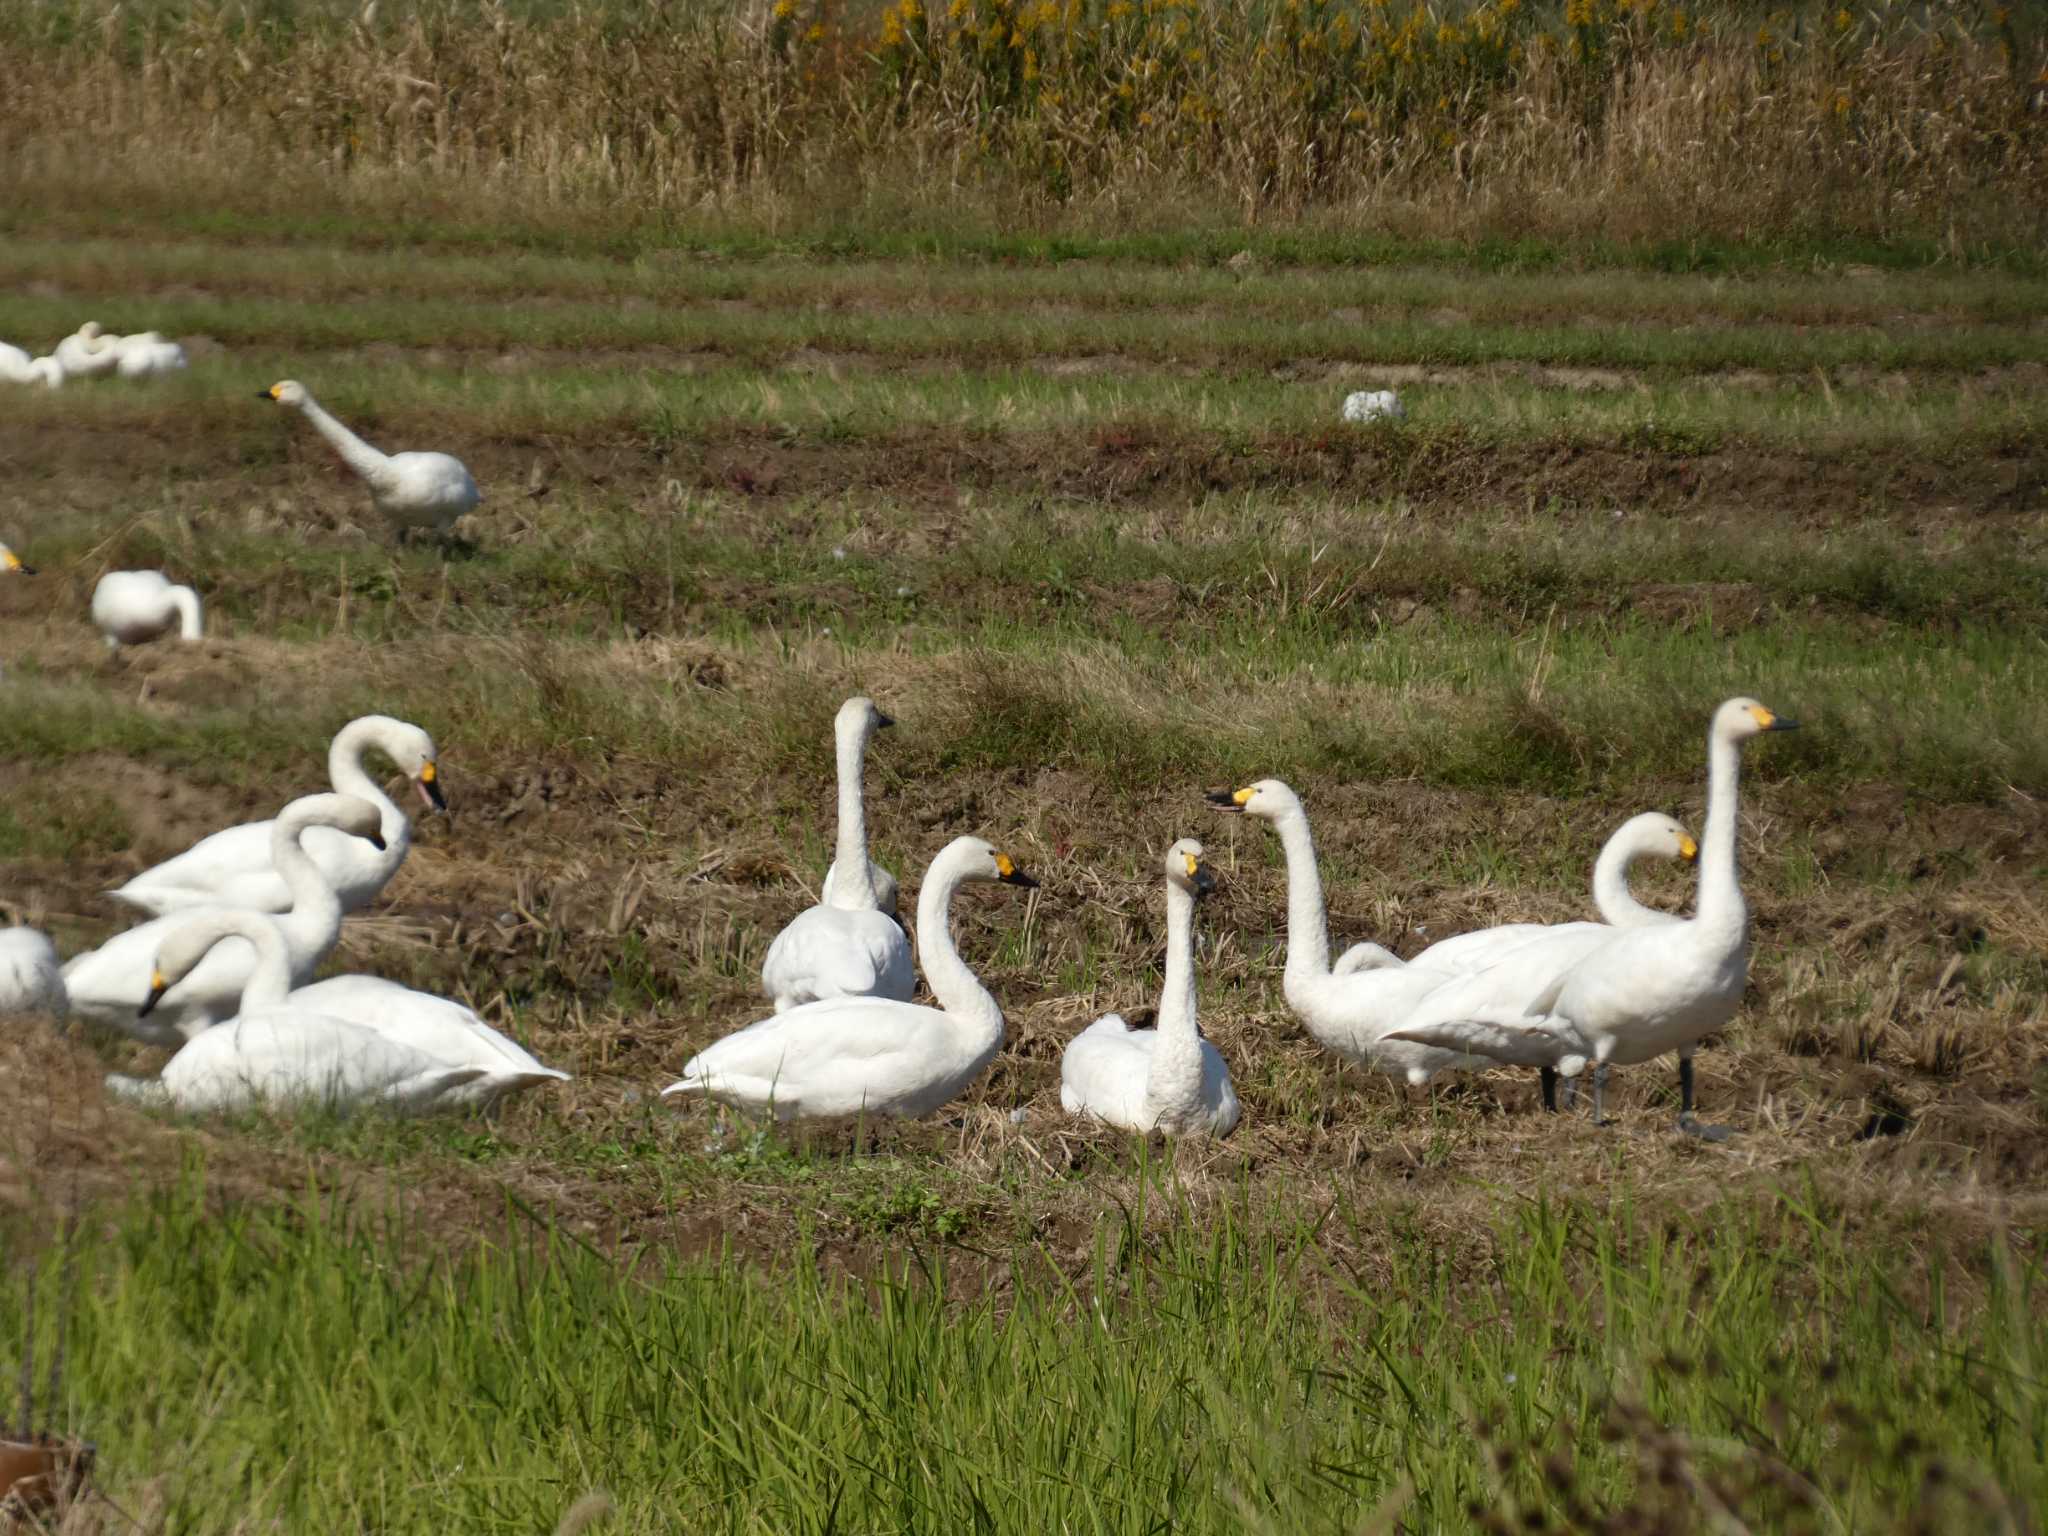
(816, 34)
(784, 9)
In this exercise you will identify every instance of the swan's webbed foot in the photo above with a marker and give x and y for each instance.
(1690, 1124)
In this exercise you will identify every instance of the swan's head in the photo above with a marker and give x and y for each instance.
(981, 860)
(1740, 719)
(286, 392)
(859, 719)
(1268, 799)
(1655, 835)
(11, 562)
(185, 946)
(1184, 868)
(413, 750)
(90, 331)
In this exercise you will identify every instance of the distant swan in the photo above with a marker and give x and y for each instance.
(31, 980)
(16, 368)
(232, 868)
(1165, 1079)
(870, 1055)
(418, 491)
(146, 354)
(88, 352)
(134, 607)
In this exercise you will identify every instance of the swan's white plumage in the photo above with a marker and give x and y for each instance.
(147, 354)
(31, 979)
(1169, 1078)
(1374, 405)
(16, 367)
(418, 491)
(134, 607)
(233, 868)
(88, 352)
(438, 1027)
(866, 1055)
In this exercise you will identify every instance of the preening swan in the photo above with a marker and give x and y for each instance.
(438, 1027)
(16, 368)
(1166, 1079)
(232, 868)
(1349, 1013)
(1647, 990)
(867, 1055)
(88, 352)
(426, 491)
(31, 980)
(109, 983)
(275, 1051)
(132, 607)
(846, 946)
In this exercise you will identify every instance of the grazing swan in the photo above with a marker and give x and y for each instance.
(11, 563)
(1348, 1014)
(1648, 835)
(853, 727)
(870, 1055)
(232, 868)
(88, 352)
(31, 980)
(413, 490)
(107, 983)
(132, 607)
(1643, 991)
(439, 1027)
(16, 368)
(1166, 1079)
(846, 946)
(275, 1051)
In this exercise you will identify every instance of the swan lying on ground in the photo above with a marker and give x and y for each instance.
(438, 1027)
(31, 980)
(17, 368)
(1165, 1079)
(146, 354)
(233, 868)
(135, 607)
(88, 352)
(414, 491)
(846, 946)
(869, 1055)
(1643, 991)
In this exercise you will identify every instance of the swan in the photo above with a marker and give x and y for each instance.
(131, 607)
(1642, 991)
(146, 354)
(1648, 835)
(846, 946)
(11, 564)
(1374, 405)
(439, 1027)
(870, 1055)
(88, 352)
(16, 368)
(275, 1051)
(1165, 1079)
(1348, 1014)
(31, 980)
(232, 868)
(106, 983)
(412, 490)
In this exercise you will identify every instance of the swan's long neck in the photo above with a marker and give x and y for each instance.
(1173, 1084)
(1308, 933)
(959, 991)
(853, 884)
(346, 773)
(1721, 906)
(359, 455)
(315, 915)
(186, 602)
(270, 980)
(1617, 904)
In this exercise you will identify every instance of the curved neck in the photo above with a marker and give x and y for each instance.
(1174, 1080)
(1308, 933)
(1720, 889)
(1617, 904)
(270, 979)
(959, 990)
(186, 602)
(315, 915)
(359, 455)
(346, 773)
(853, 882)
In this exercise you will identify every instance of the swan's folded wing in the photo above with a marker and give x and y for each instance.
(212, 861)
(1514, 1039)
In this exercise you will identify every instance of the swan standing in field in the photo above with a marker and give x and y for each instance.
(438, 1027)
(134, 607)
(17, 368)
(233, 868)
(1349, 1014)
(274, 1050)
(31, 980)
(1165, 1079)
(1649, 990)
(88, 352)
(870, 1055)
(847, 945)
(106, 984)
(414, 491)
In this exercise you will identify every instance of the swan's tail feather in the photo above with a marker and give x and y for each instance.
(685, 1085)
(1502, 1034)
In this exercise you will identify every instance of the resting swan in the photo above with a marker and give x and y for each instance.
(868, 1055)
(107, 983)
(233, 868)
(88, 352)
(275, 1051)
(146, 354)
(1349, 1014)
(31, 980)
(1643, 991)
(134, 607)
(847, 945)
(1165, 1079)
(438, 1027)
(1648, 835)
(424, 491)
(16, 368)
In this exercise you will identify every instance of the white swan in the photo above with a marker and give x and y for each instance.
(1643, 991)
(438, 1027)
(413, 490)
(1650, 835)
(232, 867)
(146, 354)
(11, 564)
(31, 980)
(133, 607)
(868, 1055)
(1348, 1014)
(846, 946)
(275, 1051)
(1165, 1079)
(852, 728)
(16, 368)
(107, 983)
(88, 352)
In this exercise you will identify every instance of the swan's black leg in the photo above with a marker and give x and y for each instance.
(1688, 1122)
(1549, 1090)
(1600, 1094)
(1568, 1093)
